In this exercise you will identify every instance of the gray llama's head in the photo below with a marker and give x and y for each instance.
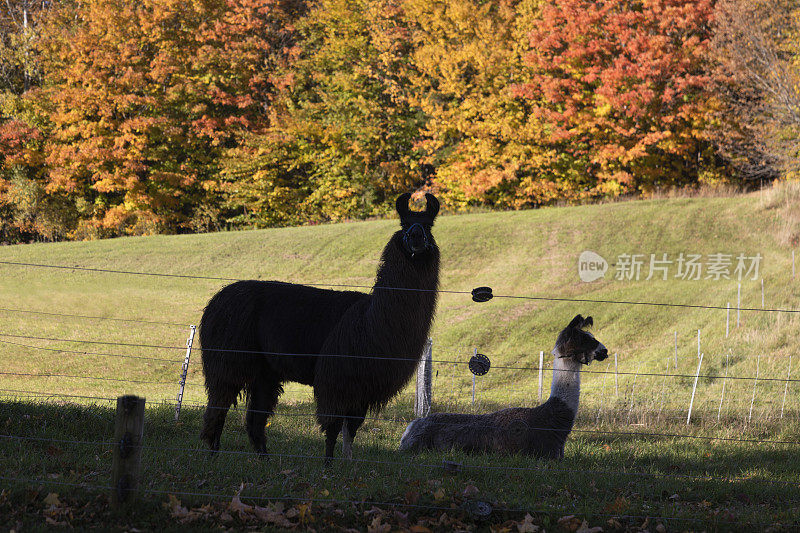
(577, 344)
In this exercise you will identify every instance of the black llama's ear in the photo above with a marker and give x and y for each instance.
(402, 204)
(588, 322)
(577, 322)
(431, 205)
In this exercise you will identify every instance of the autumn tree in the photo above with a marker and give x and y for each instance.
(623, 91)
(25, 210)
(757, 45)
(147, 97)
(465, 55)
(344, 141)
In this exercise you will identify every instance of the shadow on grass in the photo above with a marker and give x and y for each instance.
(653, 475)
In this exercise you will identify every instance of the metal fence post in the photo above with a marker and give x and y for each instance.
(424, 397)
(184, 370)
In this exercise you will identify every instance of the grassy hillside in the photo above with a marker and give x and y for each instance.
(527, 253)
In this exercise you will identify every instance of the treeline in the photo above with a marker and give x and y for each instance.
(121, 117)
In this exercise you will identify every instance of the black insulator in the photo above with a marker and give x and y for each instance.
(482, 294)
(479, 364)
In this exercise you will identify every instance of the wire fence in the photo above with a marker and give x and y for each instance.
(453, 372)
(406, 289)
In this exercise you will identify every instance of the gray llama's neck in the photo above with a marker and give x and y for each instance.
(566, 381)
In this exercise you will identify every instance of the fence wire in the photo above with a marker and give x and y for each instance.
(406, 289)
(463, 363)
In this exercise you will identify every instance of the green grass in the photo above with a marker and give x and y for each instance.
(530, 253)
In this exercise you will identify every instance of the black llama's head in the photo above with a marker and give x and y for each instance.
(416, 225)
(579, 345)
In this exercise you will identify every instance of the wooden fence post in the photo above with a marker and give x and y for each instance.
(422, 402)
(127, 453)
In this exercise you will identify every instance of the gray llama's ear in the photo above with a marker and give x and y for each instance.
(588, 322)
(402, 204)
(577, 322)
(431, 205)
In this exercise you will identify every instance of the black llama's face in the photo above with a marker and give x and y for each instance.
(416, 225)
(580, 345)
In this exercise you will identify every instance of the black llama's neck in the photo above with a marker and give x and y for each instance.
(405, 293)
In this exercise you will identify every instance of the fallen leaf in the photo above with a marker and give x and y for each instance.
(175, 508)
(470, 491)
(586, 529)
(51, 500)
(527, 525)
(619, 505)
(51, 522)
(237, 506)
(438, 495)
(416, 528)
(570, 522)
(271, 516)
(377, 527)
(305, 512)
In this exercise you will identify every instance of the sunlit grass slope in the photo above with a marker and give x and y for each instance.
(525, 253)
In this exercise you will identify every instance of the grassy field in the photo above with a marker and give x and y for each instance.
(632, 455)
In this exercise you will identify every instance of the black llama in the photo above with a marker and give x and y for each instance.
(540, 431)
(383, 333)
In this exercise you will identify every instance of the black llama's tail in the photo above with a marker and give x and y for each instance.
(228, 338)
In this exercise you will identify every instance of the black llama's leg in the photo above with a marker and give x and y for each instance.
(331, 434)
(349, 430)
(219, 401)
(263, 397)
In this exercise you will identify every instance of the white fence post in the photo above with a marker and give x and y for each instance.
(661, 395)
(728, 320)
(755, 382)
(616, 376)
(633, 394)
(724, 380)
(541, 373)
(602, 393)
(738, 303)
(424, 397)
(786, 387)
(694, 389)
(184, 370)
